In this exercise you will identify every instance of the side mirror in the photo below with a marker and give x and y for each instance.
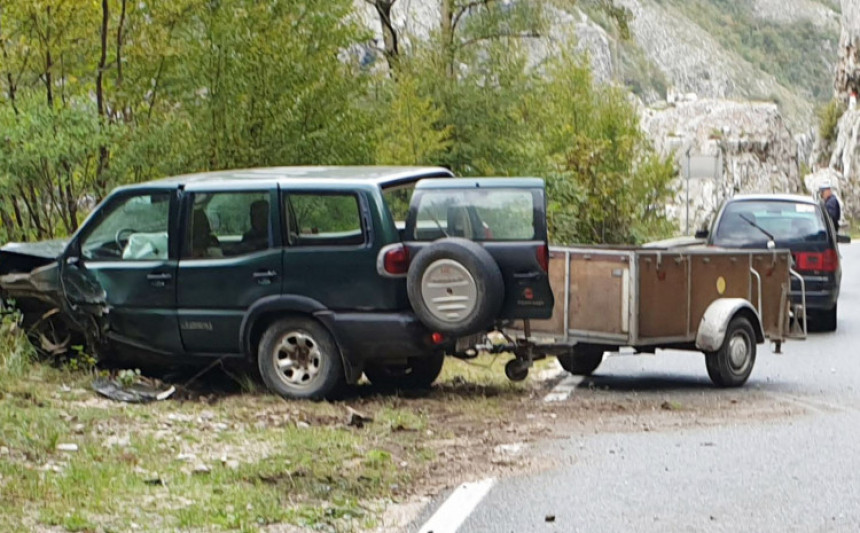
(843, 239)
(702, 234)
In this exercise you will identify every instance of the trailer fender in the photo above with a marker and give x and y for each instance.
(715, 322)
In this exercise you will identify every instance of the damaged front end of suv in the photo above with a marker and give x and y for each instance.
(35, 280)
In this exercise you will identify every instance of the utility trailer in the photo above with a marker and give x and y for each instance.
(722, 302)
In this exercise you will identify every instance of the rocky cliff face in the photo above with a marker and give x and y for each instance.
(844, 168)
(726, 148)
(848, 65)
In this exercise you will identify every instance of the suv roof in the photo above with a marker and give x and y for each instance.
(488, 183)
(381, 176)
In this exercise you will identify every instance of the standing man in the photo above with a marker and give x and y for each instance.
(831, 204)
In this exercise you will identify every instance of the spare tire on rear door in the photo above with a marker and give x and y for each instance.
(455, 287)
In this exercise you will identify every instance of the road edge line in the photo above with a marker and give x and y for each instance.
(459, 505)
(564, 389)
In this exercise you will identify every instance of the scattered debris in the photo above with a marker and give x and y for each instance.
(550, 518)
(67, 447)
(157, 481)
(144, 391)
(356, 419)
(671, 406)
(201, 468)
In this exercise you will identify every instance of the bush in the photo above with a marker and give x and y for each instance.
(16, 352)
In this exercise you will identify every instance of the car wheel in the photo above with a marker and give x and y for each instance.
(298, 358)
(732, 364)
(582, 360)
(827, 320)
(455, 287)
(415, 373)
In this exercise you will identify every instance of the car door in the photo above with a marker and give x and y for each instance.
(126, 249)
(230, 258)
(330, 255)
(505, 215)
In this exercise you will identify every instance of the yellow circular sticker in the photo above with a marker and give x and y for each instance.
(721, 285)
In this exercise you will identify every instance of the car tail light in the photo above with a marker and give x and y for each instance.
(543, 257)
(827, 261)
(437, 337)
(396, 260)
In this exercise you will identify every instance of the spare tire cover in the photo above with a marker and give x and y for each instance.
(455, 287)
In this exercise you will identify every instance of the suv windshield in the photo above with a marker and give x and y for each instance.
(476, 214)
(749, 222)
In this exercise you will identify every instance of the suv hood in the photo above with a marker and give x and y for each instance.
(44, 249)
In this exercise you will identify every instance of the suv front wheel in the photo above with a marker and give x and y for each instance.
(298, 358)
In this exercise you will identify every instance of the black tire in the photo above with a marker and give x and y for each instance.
(726, 369)
(582, 360)
(476, 277)
(827, 320)
(415, 373)
(315, 370)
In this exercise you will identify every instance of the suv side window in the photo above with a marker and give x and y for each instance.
(318, 219)
(227, 224)
(134, 228)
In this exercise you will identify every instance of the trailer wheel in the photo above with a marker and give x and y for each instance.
(732, 364)
(582, 360)
(516, 370)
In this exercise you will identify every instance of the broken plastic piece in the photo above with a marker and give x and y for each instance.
(136, 393)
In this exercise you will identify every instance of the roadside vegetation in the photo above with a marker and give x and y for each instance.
(799, 55)
(223, 455)
(97, 94)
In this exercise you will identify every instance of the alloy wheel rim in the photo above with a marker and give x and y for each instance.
(298, 359)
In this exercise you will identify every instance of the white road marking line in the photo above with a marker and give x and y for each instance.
(459, 505)
(564, 389)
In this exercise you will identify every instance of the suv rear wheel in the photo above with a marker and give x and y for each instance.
(415, 373)
(298, 358)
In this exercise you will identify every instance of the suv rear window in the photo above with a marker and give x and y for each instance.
(742, 223)
(476, 214)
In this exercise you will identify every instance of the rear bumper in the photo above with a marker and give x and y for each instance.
(376, 336)
(821, 292)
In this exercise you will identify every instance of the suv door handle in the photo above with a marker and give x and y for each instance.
(159, 279)
(264, 277)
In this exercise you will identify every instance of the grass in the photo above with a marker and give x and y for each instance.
(243, 462)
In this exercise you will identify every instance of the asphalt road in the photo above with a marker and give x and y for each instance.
(794, 472)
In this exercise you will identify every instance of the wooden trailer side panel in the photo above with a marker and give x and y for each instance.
(663, 295)
(599, 293)
(713, 276)
(557, 272)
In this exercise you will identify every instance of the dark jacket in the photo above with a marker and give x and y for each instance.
(832, 206)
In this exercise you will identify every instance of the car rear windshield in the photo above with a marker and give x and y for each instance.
(476, 214)
(746, 222)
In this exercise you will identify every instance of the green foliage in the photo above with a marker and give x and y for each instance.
(193, 85)
(16, 352)
(798, 54)
(828, 120)
(606, 183)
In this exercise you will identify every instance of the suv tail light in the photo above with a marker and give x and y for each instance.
(827, 261)
(543, 257)
(395, 260)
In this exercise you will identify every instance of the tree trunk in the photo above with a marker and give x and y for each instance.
(101, 184)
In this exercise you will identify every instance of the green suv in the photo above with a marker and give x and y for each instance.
(317, 273)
